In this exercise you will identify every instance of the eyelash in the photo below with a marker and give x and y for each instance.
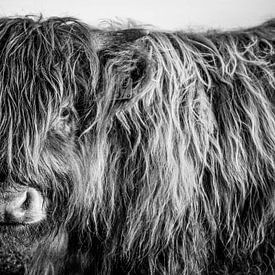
(65, 113)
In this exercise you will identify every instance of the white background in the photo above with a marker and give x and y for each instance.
(168, 14)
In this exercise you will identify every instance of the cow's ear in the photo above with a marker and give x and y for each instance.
(123, 64)
(109, 39)
(122, 71)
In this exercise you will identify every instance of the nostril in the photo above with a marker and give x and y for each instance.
(24, 207)
(27, 202)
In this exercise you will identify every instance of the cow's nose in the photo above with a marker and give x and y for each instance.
(22, 207)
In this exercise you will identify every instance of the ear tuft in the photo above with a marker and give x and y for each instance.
(128, 35)
(104, 40)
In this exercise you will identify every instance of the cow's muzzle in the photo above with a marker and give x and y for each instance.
(21, 206)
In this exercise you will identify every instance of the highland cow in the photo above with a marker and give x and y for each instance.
(136, 152)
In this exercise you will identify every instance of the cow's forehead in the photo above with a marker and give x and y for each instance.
(43, 62)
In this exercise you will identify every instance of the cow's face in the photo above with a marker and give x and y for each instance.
(35, 197)
(46, 69)
(49, 75)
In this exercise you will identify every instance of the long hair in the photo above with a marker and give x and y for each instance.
(154, 152)
(186, 165)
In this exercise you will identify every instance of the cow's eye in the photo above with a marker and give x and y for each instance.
(66, 113)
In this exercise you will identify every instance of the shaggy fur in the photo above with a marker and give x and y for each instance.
(154, 151)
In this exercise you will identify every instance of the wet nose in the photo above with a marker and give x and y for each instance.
(22, 207)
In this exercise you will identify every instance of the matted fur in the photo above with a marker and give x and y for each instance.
(155, 155)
